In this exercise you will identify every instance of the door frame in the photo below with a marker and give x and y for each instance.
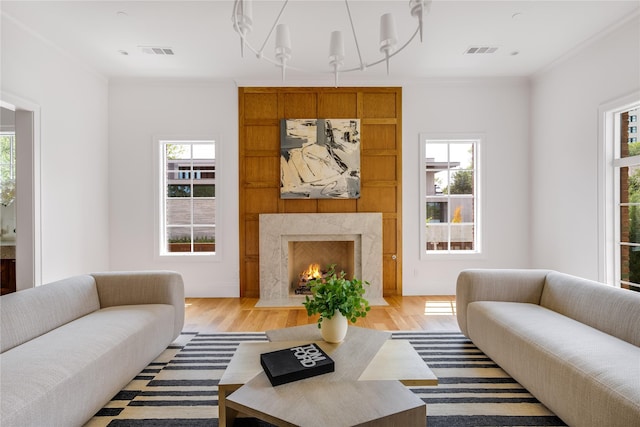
(28, 175)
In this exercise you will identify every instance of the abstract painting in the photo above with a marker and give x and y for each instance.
(320, 159)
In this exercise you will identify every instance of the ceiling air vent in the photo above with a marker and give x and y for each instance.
(474, 50)
(156, 50)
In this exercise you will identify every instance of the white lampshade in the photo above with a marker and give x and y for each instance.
(388, 34)
(283, 46)
(243, 20)
(283, 41)
(336, 53)
(244, 15)
(418, 9)
(336, 48)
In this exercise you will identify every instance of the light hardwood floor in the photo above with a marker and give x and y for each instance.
(414, 313)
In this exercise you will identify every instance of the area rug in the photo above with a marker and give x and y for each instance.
(180, 387)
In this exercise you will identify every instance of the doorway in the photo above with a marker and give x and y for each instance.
(7, 201)
(21, 240)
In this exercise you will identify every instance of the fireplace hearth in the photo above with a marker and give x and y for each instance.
(289, 243)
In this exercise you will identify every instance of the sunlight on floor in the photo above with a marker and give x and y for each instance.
(440, 308)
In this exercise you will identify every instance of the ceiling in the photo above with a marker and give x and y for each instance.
(528, 35)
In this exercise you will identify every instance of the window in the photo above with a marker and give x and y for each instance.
(7, 167)
(188, 201)
(626, 169)
(450, 205)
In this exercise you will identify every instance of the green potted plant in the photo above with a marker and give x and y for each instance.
(337, 300)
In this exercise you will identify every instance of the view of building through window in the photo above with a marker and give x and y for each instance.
(189, 200)
(451, 199)
(628, 168)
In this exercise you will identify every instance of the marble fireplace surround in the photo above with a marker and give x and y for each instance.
(277, 230)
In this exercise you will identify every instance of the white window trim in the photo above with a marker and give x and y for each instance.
(158, 168)
(478, 139)
(608, 151)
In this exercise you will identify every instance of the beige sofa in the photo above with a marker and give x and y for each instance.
(573, 343)
(69, 346)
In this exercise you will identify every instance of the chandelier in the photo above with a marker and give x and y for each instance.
(242, 18)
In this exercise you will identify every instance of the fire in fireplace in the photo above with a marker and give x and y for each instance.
(314, 271)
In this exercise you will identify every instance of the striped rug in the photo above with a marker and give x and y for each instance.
(180, 387)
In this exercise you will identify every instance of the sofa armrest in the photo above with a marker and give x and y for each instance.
(513, 285)
(142, 287)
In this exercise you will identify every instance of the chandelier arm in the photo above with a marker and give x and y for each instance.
(355, 37)
(234, 16)
(415, 33)
(248, 44)
(236, 28)
(284, 5)
(391, 55)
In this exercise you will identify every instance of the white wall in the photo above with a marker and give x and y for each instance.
(142, 109)
(564, 155)
(73, 126)
(139, 111)
(498, 111)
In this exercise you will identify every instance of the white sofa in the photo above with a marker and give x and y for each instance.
(69, 346)
(573, 343)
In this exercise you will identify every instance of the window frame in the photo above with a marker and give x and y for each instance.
(456, 138)
(12, 159)
(11, 164)
(160, 251)
(609, 164)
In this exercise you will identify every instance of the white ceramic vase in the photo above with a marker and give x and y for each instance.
(335, 329)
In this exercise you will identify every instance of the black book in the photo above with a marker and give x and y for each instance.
(296, 363)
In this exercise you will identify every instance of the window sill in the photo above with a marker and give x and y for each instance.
(189, 257)
(451, 256)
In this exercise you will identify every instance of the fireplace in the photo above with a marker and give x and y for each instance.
(310, 259)
(290, 242)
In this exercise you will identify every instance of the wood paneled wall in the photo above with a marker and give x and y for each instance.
(380, 112)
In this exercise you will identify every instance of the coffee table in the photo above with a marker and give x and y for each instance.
(367, 387)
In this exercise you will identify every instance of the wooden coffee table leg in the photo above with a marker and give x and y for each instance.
(226, 415)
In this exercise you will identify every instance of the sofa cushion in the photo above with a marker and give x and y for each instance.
(30, 313)
(88, 360)
(585, 376)
(612, 310)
